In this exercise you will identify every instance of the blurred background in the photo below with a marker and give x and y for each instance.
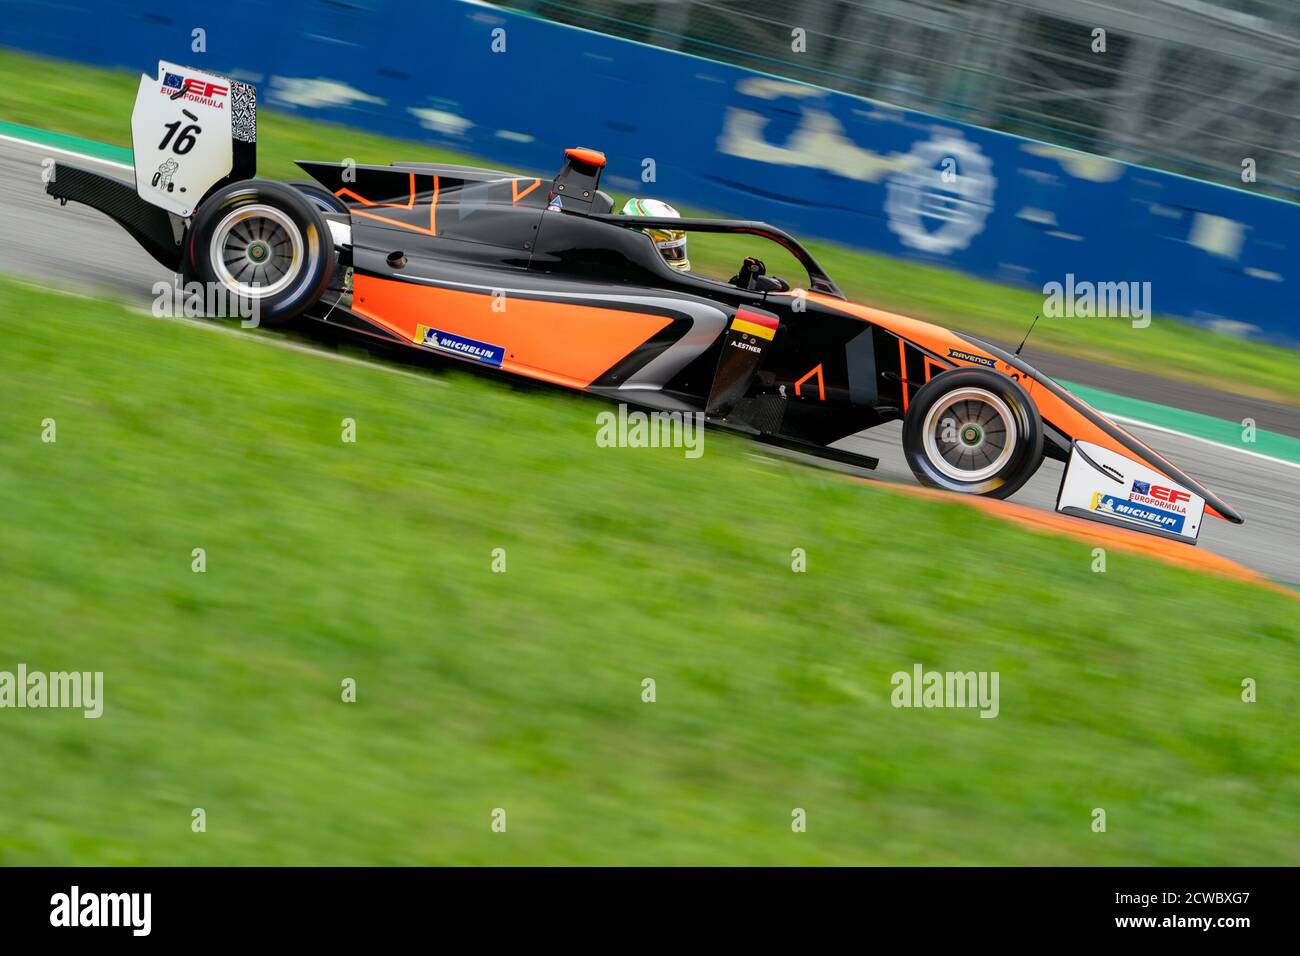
(1188, 86)
(1163, 151)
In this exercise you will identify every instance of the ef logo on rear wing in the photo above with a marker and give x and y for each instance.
(190, 131)
(193, 86)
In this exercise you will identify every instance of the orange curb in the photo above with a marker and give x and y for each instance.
(1132, 542)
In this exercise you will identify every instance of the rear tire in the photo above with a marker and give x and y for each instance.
(973, 431)
(323, 199)
(264, 244)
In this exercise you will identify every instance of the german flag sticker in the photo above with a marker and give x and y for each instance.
(758, 324)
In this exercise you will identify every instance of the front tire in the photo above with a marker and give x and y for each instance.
(264, 244)
(973, 431)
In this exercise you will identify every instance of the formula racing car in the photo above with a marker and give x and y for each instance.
(539, 278)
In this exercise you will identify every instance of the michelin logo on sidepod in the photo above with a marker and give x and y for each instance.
(459, 346)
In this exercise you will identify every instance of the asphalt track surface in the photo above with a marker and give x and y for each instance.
(75, 248)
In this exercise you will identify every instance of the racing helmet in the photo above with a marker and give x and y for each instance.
(671, 243)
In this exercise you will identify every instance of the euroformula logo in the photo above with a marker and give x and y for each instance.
(1143, 514)
(1158, 496)
(459, 346)
(195, 88)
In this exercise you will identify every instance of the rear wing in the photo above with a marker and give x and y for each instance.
(191, 132)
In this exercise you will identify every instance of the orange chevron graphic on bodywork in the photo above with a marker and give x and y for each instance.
(432, 230)
(516, 194)
(821, 384)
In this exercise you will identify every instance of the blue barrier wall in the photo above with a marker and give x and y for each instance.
(816, 162)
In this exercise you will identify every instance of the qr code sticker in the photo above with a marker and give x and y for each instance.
(243, 112)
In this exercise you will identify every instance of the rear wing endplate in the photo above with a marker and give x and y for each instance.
(191, 132)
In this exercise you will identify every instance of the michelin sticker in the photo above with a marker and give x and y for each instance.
(1100, 483)
(1156, 517)
(459, 346)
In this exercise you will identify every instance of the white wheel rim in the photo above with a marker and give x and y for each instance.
(256, 251)
(969, 435)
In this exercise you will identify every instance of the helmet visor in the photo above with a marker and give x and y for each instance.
(674, 250)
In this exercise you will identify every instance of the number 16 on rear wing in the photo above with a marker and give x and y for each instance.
(191, 132)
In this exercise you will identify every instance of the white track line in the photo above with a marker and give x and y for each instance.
(301, 348)
(290, 345)
(66, 152)
(274, 341)
(1209, 441)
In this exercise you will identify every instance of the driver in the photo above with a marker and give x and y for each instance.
(671, 243)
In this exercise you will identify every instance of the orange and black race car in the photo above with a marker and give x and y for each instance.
(538, 278)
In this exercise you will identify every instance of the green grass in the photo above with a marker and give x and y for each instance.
(97, 104)
(522, 690)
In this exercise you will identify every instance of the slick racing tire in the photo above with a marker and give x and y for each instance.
(325, 200)
(973, 431)
(265, 245)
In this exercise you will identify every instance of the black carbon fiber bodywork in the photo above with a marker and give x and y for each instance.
(150, 226)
